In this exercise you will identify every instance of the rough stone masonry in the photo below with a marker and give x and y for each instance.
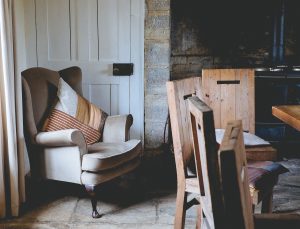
(157, 72)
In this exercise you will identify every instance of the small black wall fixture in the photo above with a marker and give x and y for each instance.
(122, 69)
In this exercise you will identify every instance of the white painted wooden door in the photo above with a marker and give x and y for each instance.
(91, 34)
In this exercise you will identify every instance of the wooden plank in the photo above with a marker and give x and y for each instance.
(176, 125)
(93, 30)
(84, 34)
(123, 23)
(232, 98)
(234, 179)
(211, 95)
(124, 95)
(261, 153)
(289, 114)
(192, 185)
(137, 80)
(245, 98)
(108, 30)
(58, 25)
(30, 33)
(177, 92)
(228, 97)
(101, 91)
(251, 100)
(41, 33)
(186, 87)
(175, 119)
(53, 31)
(114, 99)
(242, 97)
(206, 156)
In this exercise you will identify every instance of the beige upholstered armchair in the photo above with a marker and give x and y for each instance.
(63, 155)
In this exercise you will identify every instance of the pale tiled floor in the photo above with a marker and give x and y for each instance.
(154, 211)
(130, 206)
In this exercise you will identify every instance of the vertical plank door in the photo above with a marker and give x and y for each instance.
(91, 34)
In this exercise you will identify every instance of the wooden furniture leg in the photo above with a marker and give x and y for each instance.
(180, 209)
(199, 217)
(91, 191)
(266, 205)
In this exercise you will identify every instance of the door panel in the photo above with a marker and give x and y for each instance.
(84, 31)
(108, 31)
(91, 34)
(100, 91)
(58, 29)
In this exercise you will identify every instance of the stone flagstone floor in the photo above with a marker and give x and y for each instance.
(146, 205)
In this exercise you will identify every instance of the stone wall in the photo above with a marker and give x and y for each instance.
(157, 72)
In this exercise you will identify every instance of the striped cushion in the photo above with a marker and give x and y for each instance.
(72, 111)
(59, 120)
(264, 173)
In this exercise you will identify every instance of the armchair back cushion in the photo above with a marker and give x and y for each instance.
(39, 91)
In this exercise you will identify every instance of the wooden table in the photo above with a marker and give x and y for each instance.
(290, 114)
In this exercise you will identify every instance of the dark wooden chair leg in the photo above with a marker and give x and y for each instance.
(91, 191)
(180, 209)
(266, 204)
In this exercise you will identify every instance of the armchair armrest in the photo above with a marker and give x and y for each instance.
(70, 137)
(286, 221)
(116, 128)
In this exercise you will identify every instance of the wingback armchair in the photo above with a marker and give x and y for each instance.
(63, 155)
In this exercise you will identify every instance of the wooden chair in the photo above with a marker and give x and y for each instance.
(230, 93)
(204, 140)
(206, 157)
(178, 92)
(232, 178)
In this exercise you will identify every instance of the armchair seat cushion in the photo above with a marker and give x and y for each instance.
(103, 156)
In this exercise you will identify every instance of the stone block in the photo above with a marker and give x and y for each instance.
(158, 4)
(156, 108)
(157, 26)
(178, 59)
(193, 67)
(154, 134)
(157, 53)
(194, 59)
(185, 71)
(155, 80)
